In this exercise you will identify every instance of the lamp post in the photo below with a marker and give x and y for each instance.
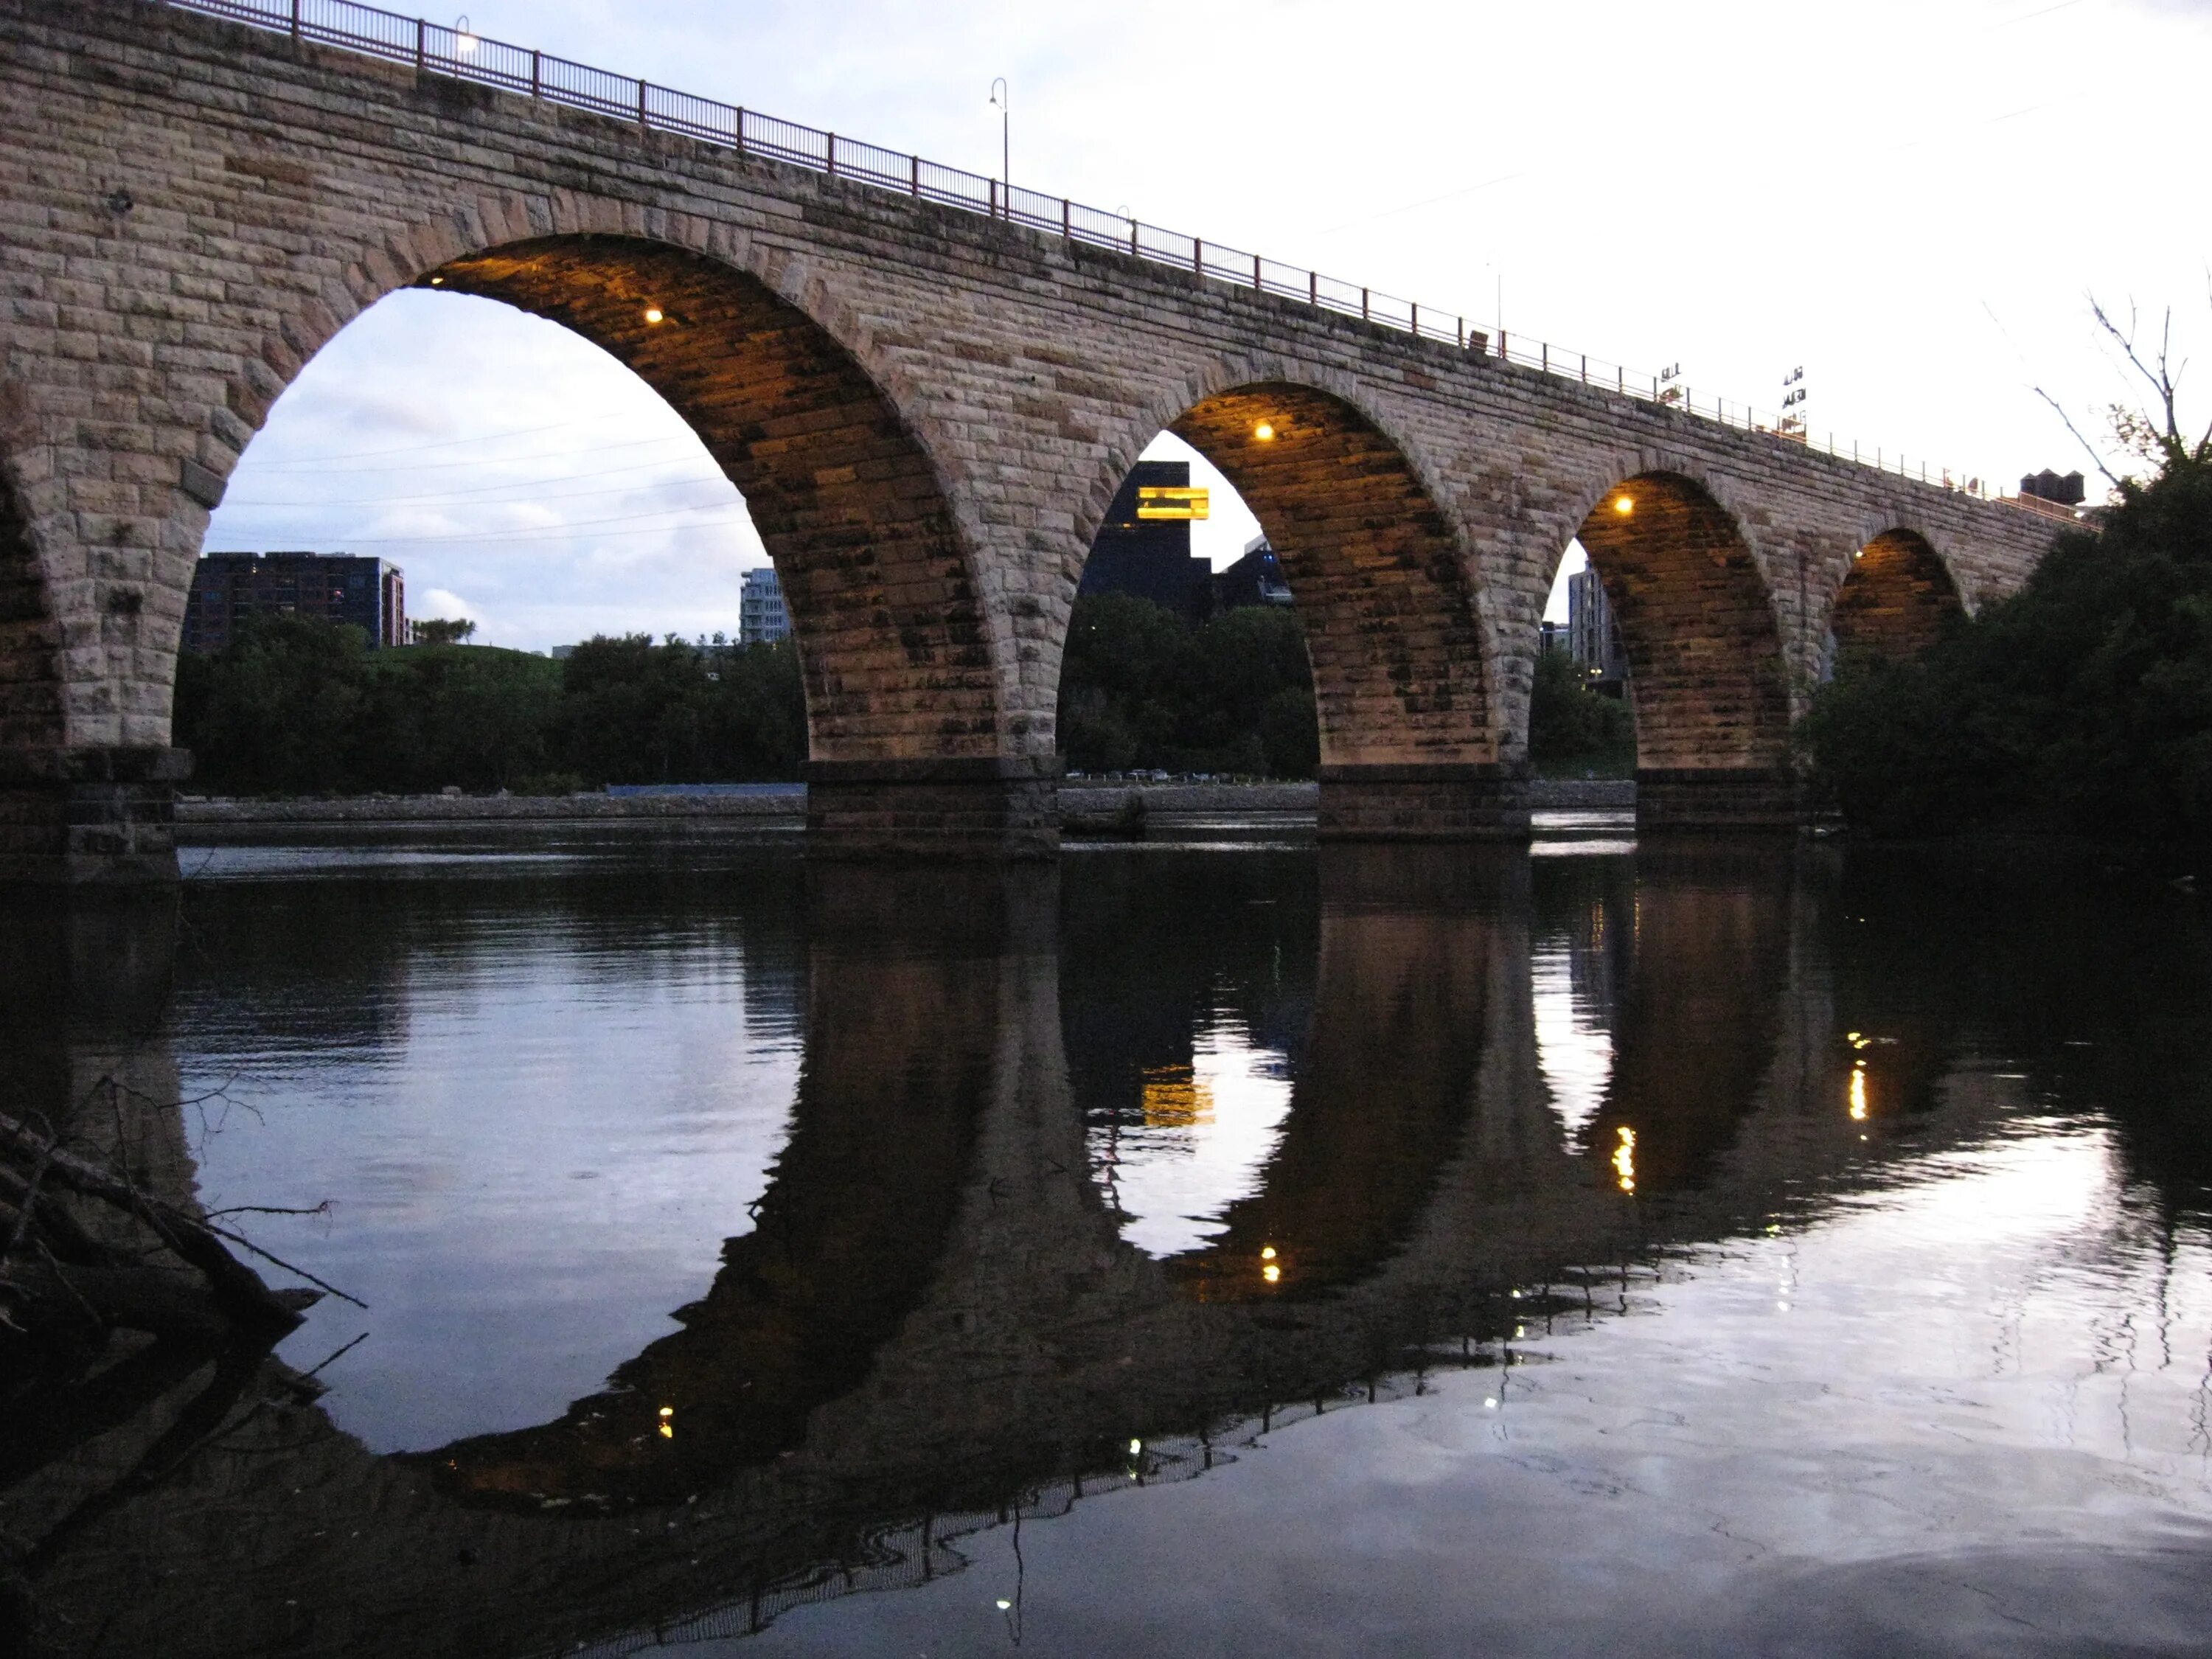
(999, 102)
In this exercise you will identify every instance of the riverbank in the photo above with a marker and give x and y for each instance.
(1086, 808)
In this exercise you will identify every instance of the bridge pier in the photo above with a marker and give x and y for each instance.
(89, 814)
(1718, 797)
(984, 807)
(1445, 801)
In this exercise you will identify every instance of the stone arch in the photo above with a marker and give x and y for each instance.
(900, 653)
(1707, 676)
(1896, 600)
(1400, 653)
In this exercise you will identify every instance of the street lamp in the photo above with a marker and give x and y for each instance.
(998, 102)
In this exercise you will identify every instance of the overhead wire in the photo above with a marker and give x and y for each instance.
(324, 468)
(480, 438)
(460, 494)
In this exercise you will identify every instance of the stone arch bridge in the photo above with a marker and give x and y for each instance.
(927, 411)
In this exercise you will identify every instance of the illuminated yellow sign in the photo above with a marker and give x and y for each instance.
(1175, 1099)
(1170, 502)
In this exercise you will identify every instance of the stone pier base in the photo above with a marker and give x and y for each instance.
(89, 814)
(1746, 798)
(1423, 802)
(995, 807)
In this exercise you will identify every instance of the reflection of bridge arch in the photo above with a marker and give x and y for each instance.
(1383, 1088)
(1024, 1344)
(903, 1008)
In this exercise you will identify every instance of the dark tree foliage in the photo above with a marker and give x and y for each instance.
(297, 705)
(1140, 688)
(2082, 704)
(1572, 728)
(635, 712)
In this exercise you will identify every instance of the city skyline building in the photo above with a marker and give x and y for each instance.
(1591, 636)
(1143, 549)
(762, 617)
(364, 593)
(1255, 579)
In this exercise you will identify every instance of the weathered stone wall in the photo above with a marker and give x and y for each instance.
(929, 411)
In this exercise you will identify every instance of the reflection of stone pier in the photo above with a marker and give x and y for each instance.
(932, 1313)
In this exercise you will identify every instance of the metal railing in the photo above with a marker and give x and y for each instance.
(440, 49)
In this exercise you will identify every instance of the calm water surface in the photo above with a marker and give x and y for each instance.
(1210, 1250)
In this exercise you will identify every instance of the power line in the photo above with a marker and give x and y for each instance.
(524, 501)
(481, 438)
(550, 534)
(481, 461)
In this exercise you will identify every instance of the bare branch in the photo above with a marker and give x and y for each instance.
(2087, 448)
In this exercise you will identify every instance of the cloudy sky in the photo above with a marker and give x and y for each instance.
(1912, 201)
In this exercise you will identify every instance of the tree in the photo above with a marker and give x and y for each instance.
(2081, 704)
(1140, 688)
(1573, 728)
(438, 630)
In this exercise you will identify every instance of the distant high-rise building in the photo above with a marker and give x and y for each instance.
(1592, 639)
(761, 614)
(1255, 579)
(1144, 546)
(228, 587)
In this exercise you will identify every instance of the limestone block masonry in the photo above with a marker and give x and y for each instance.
(927, 411)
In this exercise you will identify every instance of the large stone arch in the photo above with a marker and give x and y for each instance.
(1897, 598)
(894, 644)
(911, 742)
(1401, 651)
(1708, 677)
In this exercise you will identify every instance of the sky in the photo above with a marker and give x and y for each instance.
(1912, 202)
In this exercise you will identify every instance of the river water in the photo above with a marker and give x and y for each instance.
(1193, 1249)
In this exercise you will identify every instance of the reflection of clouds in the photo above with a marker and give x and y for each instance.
(1200, 1141)
(1574, 1050)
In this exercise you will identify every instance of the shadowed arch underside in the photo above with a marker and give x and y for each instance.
(30, 640)
(1897, 601)
(1400, 681)
(893, 645)
(1704, 656)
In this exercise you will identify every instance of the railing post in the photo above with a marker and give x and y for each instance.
(831, 150)
(739, 125)
(1548, 356)
(913, 169)
(1459, 325)
(995, 198)
(536, 74)
(640, 107)
(421, 45)
(1416, 307)
(1623, 381)
(1067, 220)
(1313, 289)
(1198, 254)
(1257, 285)
(1363, 316)
(295, 19)
(1132, 239)
(1586, 368)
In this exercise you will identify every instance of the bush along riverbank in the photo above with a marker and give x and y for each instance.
(298, 706)
(2081, 707)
